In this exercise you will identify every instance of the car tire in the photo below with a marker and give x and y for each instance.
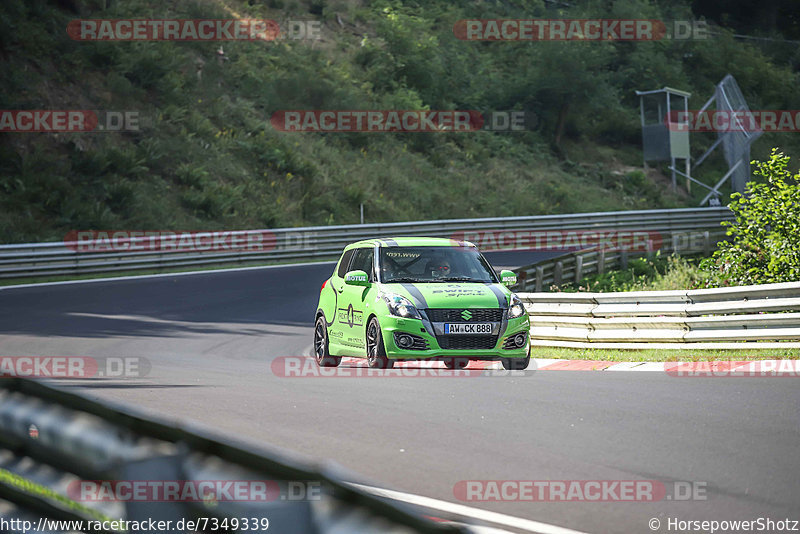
(376, 351)
(456, 363)
(321, 349)
(517, 364)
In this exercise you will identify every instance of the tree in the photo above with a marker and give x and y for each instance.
(765, 244)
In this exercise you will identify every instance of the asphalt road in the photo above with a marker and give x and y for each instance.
(210, 340)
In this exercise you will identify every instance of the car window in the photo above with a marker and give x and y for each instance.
(431, 264)
(362, 261)
(344, 263)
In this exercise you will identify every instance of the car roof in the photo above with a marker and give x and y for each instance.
(410, 242)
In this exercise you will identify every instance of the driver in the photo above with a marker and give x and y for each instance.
(439, 268)
(387, 273)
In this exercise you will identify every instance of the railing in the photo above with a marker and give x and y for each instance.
(574, 266)
(724, 318)
(318, 243)
(55, 445)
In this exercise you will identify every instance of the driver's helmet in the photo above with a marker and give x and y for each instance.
(439, 267)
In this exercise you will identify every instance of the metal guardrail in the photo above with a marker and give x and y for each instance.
(51, 440)
(723, 318)
(575, 266)
(318, 243)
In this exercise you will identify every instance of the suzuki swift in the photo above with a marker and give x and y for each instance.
(414, 298)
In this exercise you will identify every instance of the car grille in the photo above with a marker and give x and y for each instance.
(479, 315)
(461, 342)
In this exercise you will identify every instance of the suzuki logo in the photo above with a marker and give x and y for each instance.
(466, 315)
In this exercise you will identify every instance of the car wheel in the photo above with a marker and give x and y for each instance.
(376, 352)
(517, 364)
(321, 354)
(456, 363)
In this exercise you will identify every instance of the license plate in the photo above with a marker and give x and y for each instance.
(468, 328)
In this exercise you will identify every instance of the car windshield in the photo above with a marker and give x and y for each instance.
(434, 264)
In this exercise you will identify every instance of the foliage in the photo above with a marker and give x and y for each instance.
(764, 244)
(663, 272)
(207, 158)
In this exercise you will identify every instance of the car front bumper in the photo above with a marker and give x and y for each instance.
(392, 327)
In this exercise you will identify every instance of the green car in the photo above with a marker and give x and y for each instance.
(419, 298)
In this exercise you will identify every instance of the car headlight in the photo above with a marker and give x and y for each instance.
(400, 306)
(517, 309)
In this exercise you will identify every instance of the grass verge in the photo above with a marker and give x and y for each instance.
(23, 484)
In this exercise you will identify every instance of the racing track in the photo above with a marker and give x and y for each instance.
(211, 338)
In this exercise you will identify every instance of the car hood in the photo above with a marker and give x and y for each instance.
(452, 294)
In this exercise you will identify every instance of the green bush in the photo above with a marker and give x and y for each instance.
(764, 244)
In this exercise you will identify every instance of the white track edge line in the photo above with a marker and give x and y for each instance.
(467, 511)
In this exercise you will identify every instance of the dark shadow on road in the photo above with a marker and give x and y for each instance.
(285, 296)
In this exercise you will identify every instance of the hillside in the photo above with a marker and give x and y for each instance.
(205, 155)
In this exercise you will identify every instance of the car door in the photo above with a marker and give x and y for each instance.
(351, 313)
(336, 332)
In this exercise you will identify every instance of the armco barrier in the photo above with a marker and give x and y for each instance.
(723, 318)
(51, 440)
(317, 243)
(574, 266)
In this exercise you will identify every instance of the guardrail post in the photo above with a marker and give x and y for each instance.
(559, 268)
(539, 278)
(706, 244)
(623, 259)
(675, 239)
(578, 269)
(156, 468)
(601, 261)
(650, 249)
(522, 284)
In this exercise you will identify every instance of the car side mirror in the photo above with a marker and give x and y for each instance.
(508, 278)
(356, 278)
